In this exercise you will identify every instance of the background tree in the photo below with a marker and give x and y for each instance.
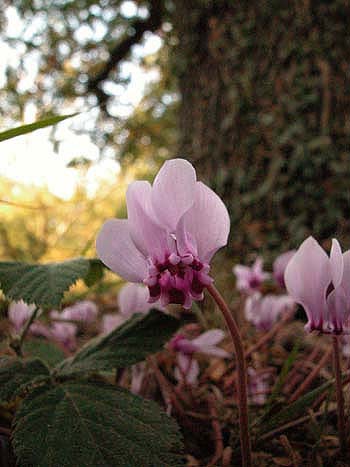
(256, 94)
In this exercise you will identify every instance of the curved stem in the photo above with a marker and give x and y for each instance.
(340, 395)
(17, 342)
(241, 373)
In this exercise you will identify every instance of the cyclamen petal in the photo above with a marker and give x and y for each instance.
(307, 278)
(208, 338)
(85, 311)
(173, 192)
(249, 280)
(111, 321)
(187, 370)
(145, 233)
(18, 313)
(321, 285)
(174, 229)
(345, 282)
(336, 263)
(211, 235)
(279, 266)
(133, 298)
(116, 249)
(263, 312)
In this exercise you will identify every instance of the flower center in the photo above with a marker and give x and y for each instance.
(179, 279)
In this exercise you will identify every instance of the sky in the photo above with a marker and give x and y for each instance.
(32, 160)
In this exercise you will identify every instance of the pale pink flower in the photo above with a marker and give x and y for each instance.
(65, 334)
(85, 311)
(321, 284)
(132, 298)
(19, 313)
(345, 343)
(111, 321)
(173, 230)
(138, 372)
(187, 369)
(206, 343)
(263, 311)
(258, 387)
(279, 266)
(249, 279)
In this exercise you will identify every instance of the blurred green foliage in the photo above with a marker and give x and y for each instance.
(255, 94)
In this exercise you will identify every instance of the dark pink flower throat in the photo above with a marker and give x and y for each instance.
(179, 279)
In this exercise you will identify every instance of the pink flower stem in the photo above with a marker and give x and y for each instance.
(241, 373)
(340, 395)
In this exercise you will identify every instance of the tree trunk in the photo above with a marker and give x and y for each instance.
(264, 114)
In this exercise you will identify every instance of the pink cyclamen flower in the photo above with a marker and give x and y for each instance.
(206, 343)
(85, 311)
(19, 313)
(132, 298)
(65, 334)
(321, 284)
(263, 311)
(345, 343)
(173, 230)
(258, 387)
(138, 372)
(249, 279)
(279, 266)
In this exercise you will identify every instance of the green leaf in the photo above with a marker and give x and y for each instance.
(42, 284)
(296, 409)
(130, 343)
(95, 273)
(22, 130)
(93, 425)
(287, 366)
(47, 351)
(16, 374)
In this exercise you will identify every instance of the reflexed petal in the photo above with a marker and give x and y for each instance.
(111, 321)
(193, 372)
(338, 310)
(257, 270)
(149, 237)
(133, 298)
(346, 275)
(137, 375)
(214, 351)
(116, 249)
(307, 278)
(19, 312)
(337, 264)
(211, 337)
(207, 223)
(188, 368)
(173, 192)
(184, 362)
(85, 311)
(280, 264)
(241, 272)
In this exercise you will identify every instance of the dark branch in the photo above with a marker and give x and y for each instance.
(122, 49)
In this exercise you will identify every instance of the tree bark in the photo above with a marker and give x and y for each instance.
(265, 103)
